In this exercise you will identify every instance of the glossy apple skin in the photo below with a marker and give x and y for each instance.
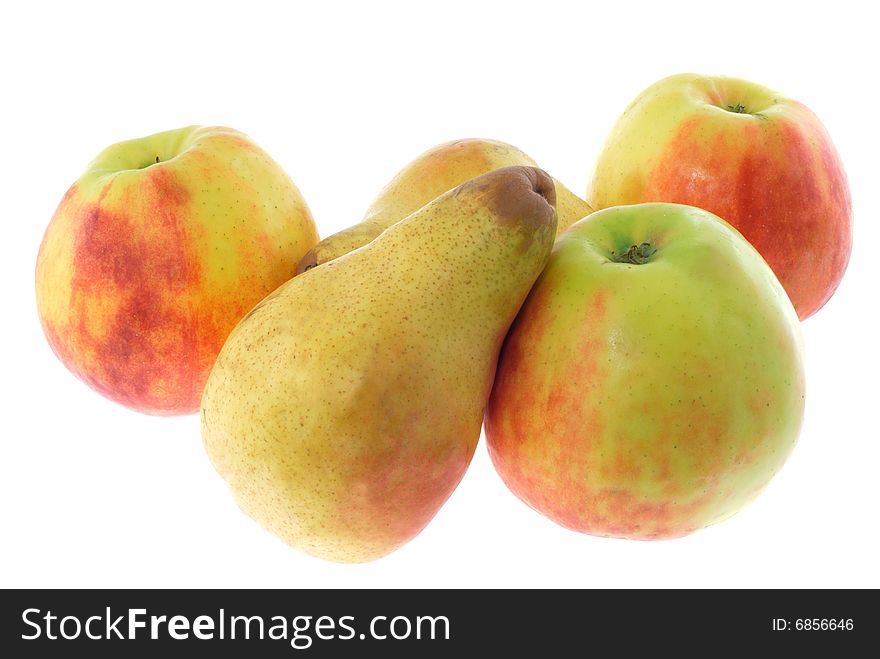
(761, 161)
(648, 400)
(146, 267)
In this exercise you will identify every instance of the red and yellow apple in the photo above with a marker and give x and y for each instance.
(155, 254)
(652, 383)
(761, 161)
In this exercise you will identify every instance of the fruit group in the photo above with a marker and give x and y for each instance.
(434, 172)
(652, 383)
(345, 408)
(759, 160)
(156, 252)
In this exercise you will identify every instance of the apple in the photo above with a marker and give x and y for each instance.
(652, 383)
(761, 161)
(156, 252)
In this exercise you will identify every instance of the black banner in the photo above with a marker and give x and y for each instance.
(429, 623)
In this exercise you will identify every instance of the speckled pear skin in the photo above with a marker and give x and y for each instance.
(434, 172)
(345, 408)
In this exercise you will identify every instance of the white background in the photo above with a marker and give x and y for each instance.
(343, 95)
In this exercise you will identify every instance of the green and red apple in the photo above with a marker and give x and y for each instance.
(761, 161)
(652, 383)
(154, 255)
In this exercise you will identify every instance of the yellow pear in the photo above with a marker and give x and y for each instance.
(345, 408)
(427, 177)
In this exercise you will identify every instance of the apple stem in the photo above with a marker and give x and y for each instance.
(157, 160)
(637, 254)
